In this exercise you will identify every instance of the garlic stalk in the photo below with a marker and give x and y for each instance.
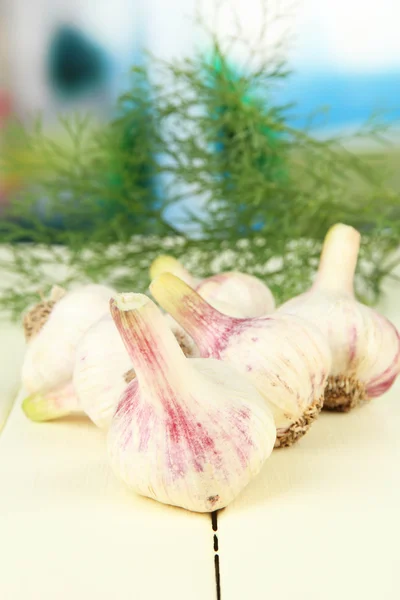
(232, 293)
(286, 358)
(187, 432)
(50, 355)
(169, 264)
(59, 402)
(103, 368)
(365, 346)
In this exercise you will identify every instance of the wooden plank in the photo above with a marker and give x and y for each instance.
(321, 522)
(69, 528)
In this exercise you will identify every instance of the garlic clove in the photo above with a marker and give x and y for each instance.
(365, 346)
(51, 405)
(187, 432)
(231, 293)
(286, 358)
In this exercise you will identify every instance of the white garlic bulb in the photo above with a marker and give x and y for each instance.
(286, 358)
(248, 293)
(102, 371)
(232, 293)
(365, 346)
(50, 356)
(187, 432)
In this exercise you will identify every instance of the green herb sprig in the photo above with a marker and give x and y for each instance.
(201, 162)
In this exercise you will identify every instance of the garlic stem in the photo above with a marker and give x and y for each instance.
(51, 405)
(201, 321)
(338, 259)
(151, 345)
(169, 264)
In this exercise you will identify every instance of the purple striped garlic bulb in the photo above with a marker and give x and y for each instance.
(285, 357)
(365, 346)
(186, 432)
(232, 293)
(53, 330)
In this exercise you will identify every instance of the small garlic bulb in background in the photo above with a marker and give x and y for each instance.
(285, 357)
(54, 330)
(365, 346)
(187, 432)
(103, 368)
(232, 293)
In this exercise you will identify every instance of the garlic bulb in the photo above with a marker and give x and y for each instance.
(232, 293)
(50, 356)
(365, 346)
(248, 293)
(103, 368)
(187, 432)
(286, 358)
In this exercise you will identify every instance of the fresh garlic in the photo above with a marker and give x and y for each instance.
(50, 356)
(232, 293)
(365, 346)
(286, 358)
(103, 368)
(102, 371)
(187, 432)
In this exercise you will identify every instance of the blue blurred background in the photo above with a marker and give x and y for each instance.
(60, 55)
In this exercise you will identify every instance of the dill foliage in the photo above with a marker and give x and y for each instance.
(200, 161)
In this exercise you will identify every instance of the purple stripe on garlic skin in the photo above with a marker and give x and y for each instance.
(365, 346)
(285, 357)
(186, 432)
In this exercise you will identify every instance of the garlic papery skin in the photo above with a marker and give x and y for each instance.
(245, 292)
(50, 354)
(232, 293)
(285, 357)
(365, 346)
(101, 365)
(187, 432)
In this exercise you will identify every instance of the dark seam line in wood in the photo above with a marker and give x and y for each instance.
(214, 523)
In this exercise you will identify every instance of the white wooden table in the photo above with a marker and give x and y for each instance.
(321, 522)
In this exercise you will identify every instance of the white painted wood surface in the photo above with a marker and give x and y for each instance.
(70, 531)
(321, 522)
